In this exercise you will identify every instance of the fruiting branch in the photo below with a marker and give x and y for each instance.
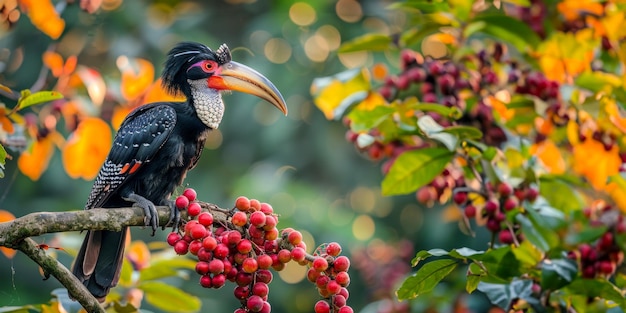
(15, 234)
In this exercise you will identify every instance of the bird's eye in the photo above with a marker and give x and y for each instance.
(209, 66)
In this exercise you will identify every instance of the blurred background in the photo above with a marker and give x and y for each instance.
(301, 164)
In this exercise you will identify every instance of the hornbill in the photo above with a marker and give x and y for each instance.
(156, 145)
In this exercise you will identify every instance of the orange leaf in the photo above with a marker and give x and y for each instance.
(119, 114)
(54, 62)
(379, 71)
(595, 163)
(35, 160)
(70, 65)
(573, 9)
(138, 254)
(43, 16)
(87, 148)
(135, 82)
(550, 156)
(156, 93)
(6, 216)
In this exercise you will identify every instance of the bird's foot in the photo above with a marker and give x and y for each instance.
(152, 216)
(174, 220)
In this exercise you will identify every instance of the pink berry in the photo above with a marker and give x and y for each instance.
(190, 194)
(257, 219)
(181, 247)
(333, 249)
(194, 209)
(239, 219)
(173, 238)
(254, 303)
(322, 306)
(205, 281)
(320, 264)
(242, 204)
(341, 264)
(181, 202)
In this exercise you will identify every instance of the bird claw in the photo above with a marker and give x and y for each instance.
(151, 215)
(174, 220)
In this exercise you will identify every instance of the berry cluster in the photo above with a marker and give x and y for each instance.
(602, 258)
(329, 273)
(241, 245)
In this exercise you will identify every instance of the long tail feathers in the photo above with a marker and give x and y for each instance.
(99, 261)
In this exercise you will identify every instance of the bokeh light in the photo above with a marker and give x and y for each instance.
(363, 227)
(302, 14)
(362, 199)
(293, 273)
(349, 10)
(277, 50)
(354, 59)
(316, 48)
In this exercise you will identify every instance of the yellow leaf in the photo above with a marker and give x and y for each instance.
(138, 254)
(43, 16)
(335, 94)
(451, 213)
(87, 148)
(617, 194)
(550, 156)
(595, 163)
(35, 160)
(6, 216)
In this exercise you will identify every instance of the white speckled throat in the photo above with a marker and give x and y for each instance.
(207, 102)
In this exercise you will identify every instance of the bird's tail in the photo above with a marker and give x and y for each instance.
(99, 261)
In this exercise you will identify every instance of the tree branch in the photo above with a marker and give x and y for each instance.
(15, 234)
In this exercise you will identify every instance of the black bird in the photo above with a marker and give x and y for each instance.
(155, 147)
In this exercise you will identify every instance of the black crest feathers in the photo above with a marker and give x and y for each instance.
(184, 55)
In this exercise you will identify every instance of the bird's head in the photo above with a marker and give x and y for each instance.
(193, 67)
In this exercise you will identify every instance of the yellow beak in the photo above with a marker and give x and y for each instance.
(238, 77)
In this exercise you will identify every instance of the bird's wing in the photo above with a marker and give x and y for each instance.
(140, 136)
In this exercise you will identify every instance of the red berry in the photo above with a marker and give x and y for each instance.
(216, 266)
(264, 261)
(190, 194)
(270, 222)
(504, 189)
(338, 300)
(202, 268)
(194, 209)
(505, 236)
(173, 238)
(266, 208)
(254, 303)
(344, 292)
(206, 219)
(271, 234)
(322, 281)
(218, 281)
(250, 265)
(493, 225)
(426, 194)
(244, 246)
(242, 204)
(333, 249)
(234, 237)
(195, 246)
(322, 306)
(345, 309)
(257, 219)
(243, 279)
(606, 267)
(460, 197)
(181, 247)
(267, 307)
(182, 202)
(264, 276)
(341, 264)
(241, 292)
(204, 255)
(492, 206)
(333, 287)
(294, 237)
(205, 281)
(239, 219)
(260, 289)
(255, 205)
(532, 194)
(510, 203)
(320, 264)
(312, 275)
(298, 254)
(198, 231)
(209, 243)
(343, 279)
(470, 211)
(221, 251)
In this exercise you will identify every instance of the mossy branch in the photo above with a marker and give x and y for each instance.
(15, 234)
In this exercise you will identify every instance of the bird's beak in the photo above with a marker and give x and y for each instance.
(238, 77)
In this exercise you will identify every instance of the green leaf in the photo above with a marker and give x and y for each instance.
(464, 132)
(452, 112)
(435, 131)
(461, 253)
(559, 192)
(424, 7)
(597, 81)
(425, 254)
(587, 234)
(364, 120)
(414, 169)
(506, 28)
(426, 278)
(557, 273)
(503, 295)
(474, 275)
(368, 42)
(169, 298)
(620, 280)
(500, 263)
(166, 268)
(538, 231)
(29, 99)
(527, 254)
(3, 160)
(596, 288)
